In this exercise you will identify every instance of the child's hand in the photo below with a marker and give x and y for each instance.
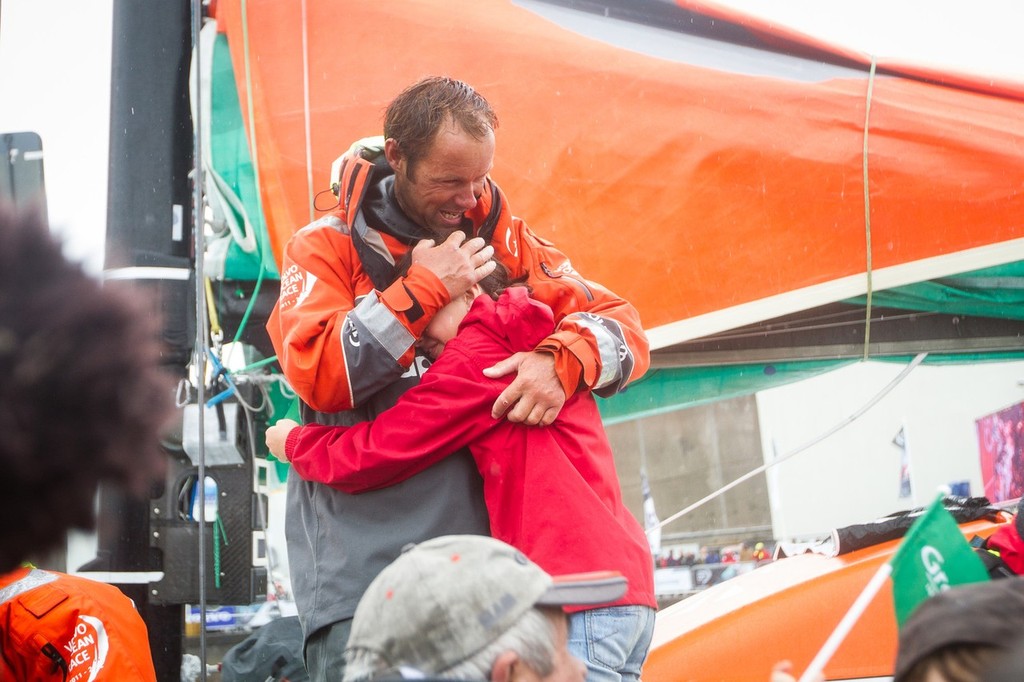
(277, 435)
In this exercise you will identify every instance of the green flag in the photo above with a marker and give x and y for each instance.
(934, 556)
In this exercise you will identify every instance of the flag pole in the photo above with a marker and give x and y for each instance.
(846, 624)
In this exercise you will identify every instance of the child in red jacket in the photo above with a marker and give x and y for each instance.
(551, 491)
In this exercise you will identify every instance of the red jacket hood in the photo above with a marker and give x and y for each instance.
(525, 321)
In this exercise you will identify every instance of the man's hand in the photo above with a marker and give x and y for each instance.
(535, 397)
(277, 435)
(459, 263)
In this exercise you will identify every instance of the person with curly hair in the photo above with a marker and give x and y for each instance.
(82, 401)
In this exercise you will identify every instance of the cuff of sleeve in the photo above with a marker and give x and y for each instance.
(421, 289)
(570, 352)
(291, 442)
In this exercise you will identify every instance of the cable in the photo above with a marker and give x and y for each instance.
(305, 104)
(764, 467)
(201, 322)
(219, 533)
(867, 210)
(803, 327)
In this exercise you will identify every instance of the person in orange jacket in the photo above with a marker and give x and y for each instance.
(55, 626)
(345, 331)
(82, 400)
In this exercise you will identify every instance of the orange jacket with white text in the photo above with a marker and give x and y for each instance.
(55, 626)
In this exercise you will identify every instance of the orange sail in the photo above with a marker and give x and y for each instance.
(710, 190)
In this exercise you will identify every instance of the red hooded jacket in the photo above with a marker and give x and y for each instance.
(550, 491)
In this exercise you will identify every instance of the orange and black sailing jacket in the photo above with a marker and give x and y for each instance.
(345, 335)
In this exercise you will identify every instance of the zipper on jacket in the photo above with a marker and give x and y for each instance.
(558, 275)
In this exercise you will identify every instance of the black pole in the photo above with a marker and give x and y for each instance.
(148, 247)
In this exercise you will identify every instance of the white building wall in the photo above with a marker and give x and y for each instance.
(853, 475)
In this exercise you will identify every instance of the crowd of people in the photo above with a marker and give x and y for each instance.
(730, 554)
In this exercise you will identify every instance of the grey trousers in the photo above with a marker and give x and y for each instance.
(325, 652)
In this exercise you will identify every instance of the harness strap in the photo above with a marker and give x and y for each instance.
(491, 222)
(355, 174)
(994, 564)
(50, 651)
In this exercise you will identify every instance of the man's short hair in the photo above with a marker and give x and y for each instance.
(82, 396)
(414, 117)
(445, 601)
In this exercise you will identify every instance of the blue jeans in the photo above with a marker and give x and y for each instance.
(612, 641)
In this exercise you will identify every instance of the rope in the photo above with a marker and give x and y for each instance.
(218, 532)
(254, 152)
(264, 404)
(216, 333)
(305, 94)
(252, 298)
(250, 108)
(856, 415)
(867, 209)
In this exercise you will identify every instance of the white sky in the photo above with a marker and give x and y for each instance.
(54, 76)
(55, 80)
(976, 37)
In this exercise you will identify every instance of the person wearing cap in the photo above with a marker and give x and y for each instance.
(552, 492)
(469, 607)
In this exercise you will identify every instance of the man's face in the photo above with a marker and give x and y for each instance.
(446, 182)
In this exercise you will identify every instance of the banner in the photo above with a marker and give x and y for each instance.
(934, 556)
(900, 441)
(1001, 453)
(650, 516)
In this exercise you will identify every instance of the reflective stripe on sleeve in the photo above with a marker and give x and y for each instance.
(376, 319)
(373, 341)
(615, 355)
(31, 581)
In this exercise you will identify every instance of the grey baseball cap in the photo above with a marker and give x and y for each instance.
(442, 601)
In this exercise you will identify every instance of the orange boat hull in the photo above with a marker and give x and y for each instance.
(738, 629)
